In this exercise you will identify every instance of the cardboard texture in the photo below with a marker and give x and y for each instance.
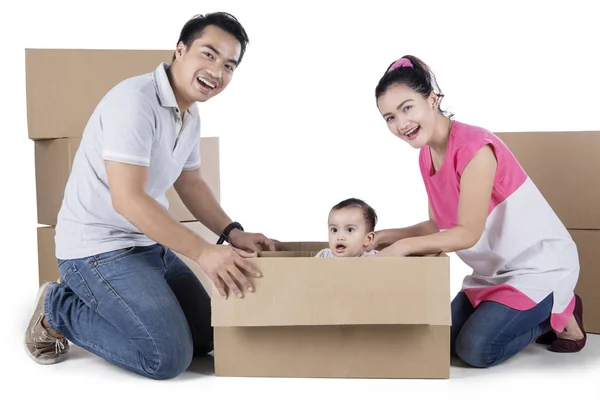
(48, 266)
(54, 159)
(565, 167)
(65, 85)
(588, 286)
(337, 317)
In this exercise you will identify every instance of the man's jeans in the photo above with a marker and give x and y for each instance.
(140, 308)
(492, 332)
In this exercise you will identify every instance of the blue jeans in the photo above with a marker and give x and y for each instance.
(140, 308)
(492, 332)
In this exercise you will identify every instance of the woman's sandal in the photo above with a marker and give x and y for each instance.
(547, 338)
(567, 345)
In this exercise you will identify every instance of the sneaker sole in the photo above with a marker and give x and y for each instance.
(45, 361)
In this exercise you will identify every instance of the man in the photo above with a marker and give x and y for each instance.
(123, 294)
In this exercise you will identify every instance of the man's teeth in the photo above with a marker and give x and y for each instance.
(207, 83)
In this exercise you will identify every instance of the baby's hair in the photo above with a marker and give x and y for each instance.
(415, 74)
(368, 212)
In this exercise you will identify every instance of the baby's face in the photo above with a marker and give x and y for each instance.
(348, 235)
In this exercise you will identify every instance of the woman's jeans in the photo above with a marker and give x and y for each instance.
(140, 308)
(492, 332)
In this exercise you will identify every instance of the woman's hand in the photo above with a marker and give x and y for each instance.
(398, 249)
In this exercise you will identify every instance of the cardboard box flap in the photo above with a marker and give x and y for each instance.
(301, 246)
(341, 291)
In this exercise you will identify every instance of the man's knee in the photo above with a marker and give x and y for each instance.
(174, 357)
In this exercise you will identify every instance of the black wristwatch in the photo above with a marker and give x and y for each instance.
(225, 235)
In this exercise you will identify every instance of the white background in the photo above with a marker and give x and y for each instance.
(299, 132)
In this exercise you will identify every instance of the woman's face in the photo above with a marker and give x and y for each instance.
(408, 114)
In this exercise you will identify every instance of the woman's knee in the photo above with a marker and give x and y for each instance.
(474, 349)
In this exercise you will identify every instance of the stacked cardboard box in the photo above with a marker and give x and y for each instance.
(565, 167)
(63, 88)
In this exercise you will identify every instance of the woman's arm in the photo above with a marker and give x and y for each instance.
(475, 193)
(387, 237)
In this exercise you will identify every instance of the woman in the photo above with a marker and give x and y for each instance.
(484, 207)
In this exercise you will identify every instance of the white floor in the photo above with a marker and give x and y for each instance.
(532, 374)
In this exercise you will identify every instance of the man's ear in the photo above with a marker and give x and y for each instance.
(180, 50)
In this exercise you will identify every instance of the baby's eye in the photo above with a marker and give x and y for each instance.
(333, 230)
(350, 230)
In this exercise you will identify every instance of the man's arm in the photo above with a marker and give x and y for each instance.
(129, 199)
(200, 201)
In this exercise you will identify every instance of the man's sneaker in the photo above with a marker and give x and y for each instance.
(40, 345)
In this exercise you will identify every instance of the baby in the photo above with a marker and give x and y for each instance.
(351, 230)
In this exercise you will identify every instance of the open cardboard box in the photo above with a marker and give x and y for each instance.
(337, 317)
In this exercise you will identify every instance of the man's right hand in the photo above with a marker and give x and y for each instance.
(225, 264)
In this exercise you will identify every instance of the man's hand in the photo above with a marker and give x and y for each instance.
(250, 242)
(398, 249)
(226, 264)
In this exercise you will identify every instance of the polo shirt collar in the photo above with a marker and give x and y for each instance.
(164, 91)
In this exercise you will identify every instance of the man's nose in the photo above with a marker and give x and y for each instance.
(215, 72)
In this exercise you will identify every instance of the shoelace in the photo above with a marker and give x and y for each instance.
(59, 346)
(47, 342)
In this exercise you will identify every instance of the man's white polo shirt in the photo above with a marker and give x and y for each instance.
(137, 122)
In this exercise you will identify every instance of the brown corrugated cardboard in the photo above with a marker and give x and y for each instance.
(337, 317)
(48, 267)
(53, 162)
(588, 286)
(565, 167)
(54, 158)
(65, 85)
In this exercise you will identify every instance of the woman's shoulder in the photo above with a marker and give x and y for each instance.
(467, 139)
(467, 133)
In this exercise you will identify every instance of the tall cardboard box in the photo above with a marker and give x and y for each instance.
(48, 266)
(565, 167)
(65, 85)
(54, 159)
(337, 318)
(588, 286)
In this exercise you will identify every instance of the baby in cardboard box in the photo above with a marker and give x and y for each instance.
(351, 230)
